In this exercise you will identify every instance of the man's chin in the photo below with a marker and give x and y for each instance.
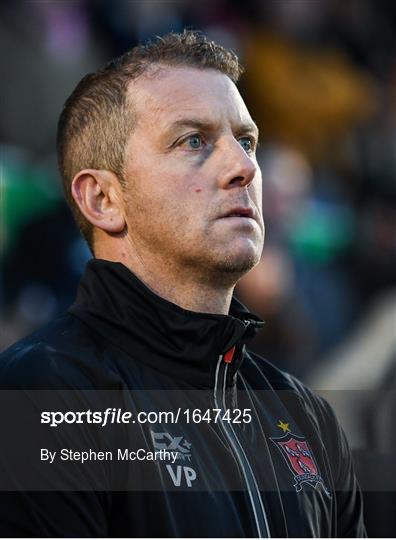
(226, 264)
(238, 263)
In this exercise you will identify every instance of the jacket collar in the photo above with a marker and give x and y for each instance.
(183, 344)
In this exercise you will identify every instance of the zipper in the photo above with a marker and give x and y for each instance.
(259, 513)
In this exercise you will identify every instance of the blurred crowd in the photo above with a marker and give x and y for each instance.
(320, 82)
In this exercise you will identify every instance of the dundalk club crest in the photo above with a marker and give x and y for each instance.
(299, 458)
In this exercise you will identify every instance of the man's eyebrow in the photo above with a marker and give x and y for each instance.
(209, 125)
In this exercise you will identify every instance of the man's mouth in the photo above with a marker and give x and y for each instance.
(240, 212)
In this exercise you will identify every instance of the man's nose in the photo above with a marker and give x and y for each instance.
(239, 168)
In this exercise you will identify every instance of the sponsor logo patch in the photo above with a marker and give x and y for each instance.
(179, 474)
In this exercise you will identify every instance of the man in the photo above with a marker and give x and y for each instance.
(157, 156)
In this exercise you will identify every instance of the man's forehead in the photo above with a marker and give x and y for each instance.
(172, 94)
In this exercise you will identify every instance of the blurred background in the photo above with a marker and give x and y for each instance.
(320, 82)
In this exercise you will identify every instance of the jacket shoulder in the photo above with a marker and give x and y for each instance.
(63, 354)
(310, 409)
(270, 374)
(298, 398)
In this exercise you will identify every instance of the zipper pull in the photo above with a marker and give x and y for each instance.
(229, 355)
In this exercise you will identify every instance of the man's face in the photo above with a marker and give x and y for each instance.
(193, 186)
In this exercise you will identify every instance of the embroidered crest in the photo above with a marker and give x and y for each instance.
(300, 460)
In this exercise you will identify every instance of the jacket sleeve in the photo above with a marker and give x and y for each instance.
(349, 502)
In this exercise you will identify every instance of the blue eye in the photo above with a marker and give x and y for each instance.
(246, 144)
(195, 141)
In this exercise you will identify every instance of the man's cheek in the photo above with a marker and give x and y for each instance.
(196, 187)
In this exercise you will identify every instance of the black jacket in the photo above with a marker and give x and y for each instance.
(287, 472)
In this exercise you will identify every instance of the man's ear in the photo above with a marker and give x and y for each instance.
(98, 195)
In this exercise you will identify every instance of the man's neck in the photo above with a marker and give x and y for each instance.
(187, 293)
(181, 287)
